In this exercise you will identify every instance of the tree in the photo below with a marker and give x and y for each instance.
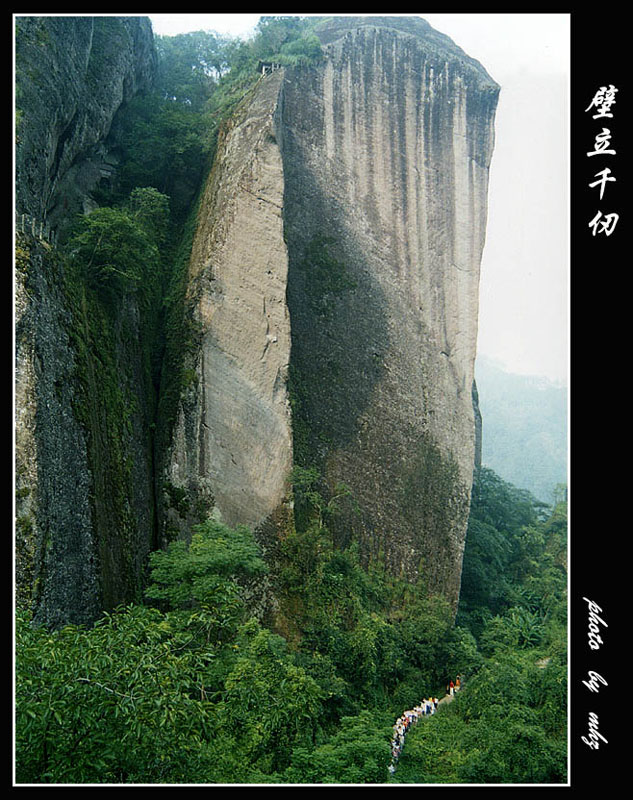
(273, 33)
(135, 698)
(309, 500)
(503, 544)
(165, 145)
(358, 753)
(150, 209)
(201, 578)
(114, 252)
(269, 703)
(189, 66)
(298, 52)
(119, 702)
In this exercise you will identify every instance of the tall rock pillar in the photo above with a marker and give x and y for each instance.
(232, 443)
(386, 151)
(335, 274)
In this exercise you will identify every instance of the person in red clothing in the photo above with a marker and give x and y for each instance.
(451, 688)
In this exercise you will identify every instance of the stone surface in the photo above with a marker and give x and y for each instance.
(332, 289)
(386, 150)
(84, 475)
(57, 568)
(379, 159)
(84, 491)
(233, 439)
(72, 75)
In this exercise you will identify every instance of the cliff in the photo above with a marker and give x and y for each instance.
(327, 315)
(232, 443)
(338, 246)
(73, 74)
(84, 462)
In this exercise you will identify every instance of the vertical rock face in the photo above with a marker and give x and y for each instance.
(331, 312)
(386, 150)
(232, 442)
(84, 477)
(56, 552)
(380, 158)
(72, 76)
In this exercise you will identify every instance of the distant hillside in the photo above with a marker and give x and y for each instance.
(524, 428)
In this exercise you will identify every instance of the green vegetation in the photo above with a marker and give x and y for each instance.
(509, 725)
(190, 688)
(168, 135)
(116, 253)
(185, 684)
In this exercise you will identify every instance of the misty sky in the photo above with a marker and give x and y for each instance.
(524, 293)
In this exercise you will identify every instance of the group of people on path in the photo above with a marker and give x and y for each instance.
(404, 722)
(454, 686)
(408, 718)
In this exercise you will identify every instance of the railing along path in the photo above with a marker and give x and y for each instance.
(26, 224)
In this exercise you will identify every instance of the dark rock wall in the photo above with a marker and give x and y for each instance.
(56, 553)
(72, 75)
(84, 460)
(386, 151)
(84, 407)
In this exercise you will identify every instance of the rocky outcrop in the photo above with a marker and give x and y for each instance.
(72, 75)
(386, 153)
(329, 313)
(57, 569)
(84, 462)
(83, 450)
(379, 157)
(232, 441)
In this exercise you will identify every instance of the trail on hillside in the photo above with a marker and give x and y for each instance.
(408, 719)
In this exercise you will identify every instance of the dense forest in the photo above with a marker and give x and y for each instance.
(184, 685)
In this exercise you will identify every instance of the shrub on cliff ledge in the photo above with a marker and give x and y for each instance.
(114, 253)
